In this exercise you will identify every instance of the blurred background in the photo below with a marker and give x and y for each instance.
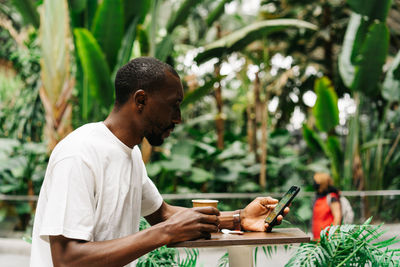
(274, 92)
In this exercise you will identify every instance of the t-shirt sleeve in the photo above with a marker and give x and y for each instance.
(151, 198)
(70, 203)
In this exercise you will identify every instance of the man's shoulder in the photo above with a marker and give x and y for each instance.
(83, 139)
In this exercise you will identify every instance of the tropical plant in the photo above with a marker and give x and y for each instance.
(348, 245)
(57, 85)
(326, 115)
(164, 256)
(22, 168)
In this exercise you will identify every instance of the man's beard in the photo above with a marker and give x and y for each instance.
(155, 139)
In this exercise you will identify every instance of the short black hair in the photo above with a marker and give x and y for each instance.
(146, 73)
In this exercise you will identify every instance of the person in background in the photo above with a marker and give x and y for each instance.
(326, 206)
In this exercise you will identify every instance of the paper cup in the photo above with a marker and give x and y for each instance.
(205, 203)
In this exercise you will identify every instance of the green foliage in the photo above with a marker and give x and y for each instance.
(95, 67)
(241, 38)
(372, 9)
(180, 15)
(108, 29)
(391, 85)
(325, 110)
(371, 59)
(348, 245)
(164, 256)
(28, 11)
(21, 164)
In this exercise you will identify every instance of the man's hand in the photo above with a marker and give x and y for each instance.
(252, 217)
(191, 224)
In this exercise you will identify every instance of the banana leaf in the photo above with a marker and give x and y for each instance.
(391, 85)
(55, 38)
(28, 11)
(325, 110)
(95, 67)
(108, 29)
(345, 60)
(373, 9)
(242, 37)
(371, 59)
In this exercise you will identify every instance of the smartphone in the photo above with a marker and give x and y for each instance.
(282, 204)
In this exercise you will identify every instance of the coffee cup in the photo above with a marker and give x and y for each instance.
(205, 203)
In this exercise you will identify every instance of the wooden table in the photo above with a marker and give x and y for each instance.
(240, 247)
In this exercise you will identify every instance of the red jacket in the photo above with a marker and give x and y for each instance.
(322, 214)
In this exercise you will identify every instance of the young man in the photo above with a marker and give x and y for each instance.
(96, 186)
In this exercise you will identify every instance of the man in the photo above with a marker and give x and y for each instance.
(96, 186)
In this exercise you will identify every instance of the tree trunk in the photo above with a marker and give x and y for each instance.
(264, 141)
(219, 120)
(258, 106)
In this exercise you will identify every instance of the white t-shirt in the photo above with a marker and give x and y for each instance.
(95, 188)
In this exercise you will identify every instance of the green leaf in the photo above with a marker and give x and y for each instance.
(28, 11)
(177, 163)
(346, 65)
(183, 148)
(77, 6)
(325, 110)
(196, 95)
(391, 85)
(135, 10)
(180, 16)
(312, 139)
(200, 175)
(371, 59)
(242, 37)
(95, 67)
(335, 154)
(217, 12)
(164, 48)
(373, 9)
(153, 169)
(124, 54)
(108, 28)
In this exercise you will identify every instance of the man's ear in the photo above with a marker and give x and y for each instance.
(140, 99)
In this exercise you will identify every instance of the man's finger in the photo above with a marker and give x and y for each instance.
(207, 210)
(212, 219)
(267, 201)
(286, 211)
(279, 219)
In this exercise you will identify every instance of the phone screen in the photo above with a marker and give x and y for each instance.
(283, 203)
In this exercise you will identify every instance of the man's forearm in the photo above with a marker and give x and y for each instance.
(116, 252)
(226, 219)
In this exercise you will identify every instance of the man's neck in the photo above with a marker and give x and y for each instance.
(123, 127)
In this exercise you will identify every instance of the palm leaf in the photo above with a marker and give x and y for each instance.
(242, 37)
